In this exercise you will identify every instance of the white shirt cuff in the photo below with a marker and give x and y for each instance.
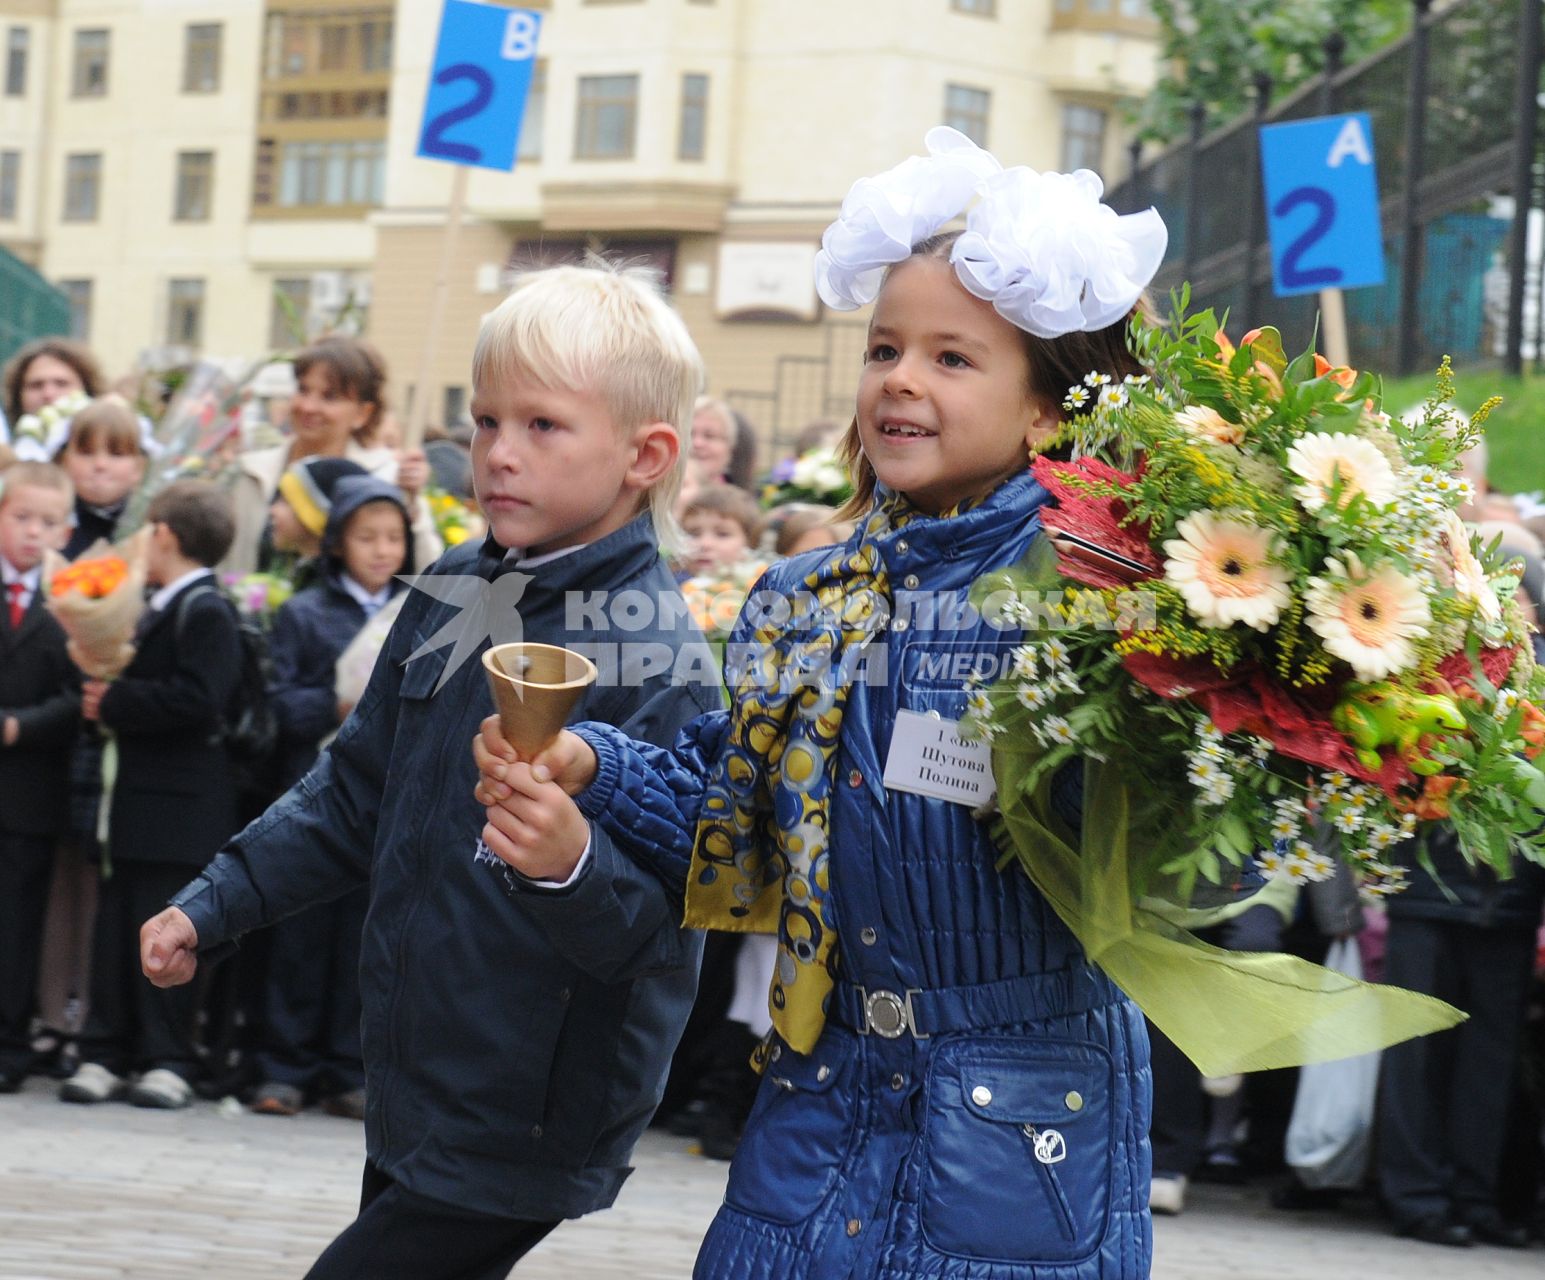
(579, 870)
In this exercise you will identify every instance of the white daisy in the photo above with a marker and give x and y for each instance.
(1076, 398)
(1321, 867)
(1058, 730)
(1054, 651)
(979, 704)
(1097, 379)
(1033, 696)
(1347, 820)
(1025, 663)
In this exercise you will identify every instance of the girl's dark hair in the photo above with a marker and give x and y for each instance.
(74, 354)
(357, 369)
(1055, 365)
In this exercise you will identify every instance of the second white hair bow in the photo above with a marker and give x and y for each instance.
(1041, 247)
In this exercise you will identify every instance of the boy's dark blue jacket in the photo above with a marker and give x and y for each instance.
(312, 628)
(40, 686)
(516, 1038)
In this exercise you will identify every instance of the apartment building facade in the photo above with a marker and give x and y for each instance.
(179, 168)
(222, 175)
(715, 139)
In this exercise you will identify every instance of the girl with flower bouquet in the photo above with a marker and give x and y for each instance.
(951, 1087)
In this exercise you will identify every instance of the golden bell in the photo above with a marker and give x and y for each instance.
(535, 687)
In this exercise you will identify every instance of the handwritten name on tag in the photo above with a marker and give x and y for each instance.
(928, 757)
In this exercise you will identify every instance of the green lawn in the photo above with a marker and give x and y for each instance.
(1515, 433)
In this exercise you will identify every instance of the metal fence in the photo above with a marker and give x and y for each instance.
(30, 307)
(1454, 107)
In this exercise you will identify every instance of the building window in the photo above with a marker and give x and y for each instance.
(89, 78)
(1083, 138)
(201, 57)
(79, 294)
(17, 42)
(608, 118)
(375, 46)
(987, 8)
(292, 305)
(82, 186)
(335, 46)
(10, 184)
(195, 186)
(692, 143)
(185, 313)
(966, 109)
(532, 123)
(331, 173)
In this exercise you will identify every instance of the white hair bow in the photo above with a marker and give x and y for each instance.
(1052, 258)
(883, 217)
(1041, 247)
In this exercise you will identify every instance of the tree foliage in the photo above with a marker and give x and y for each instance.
(1212, 50)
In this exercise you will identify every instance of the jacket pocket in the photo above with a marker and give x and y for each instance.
(799, 1132)
(1018, 1150)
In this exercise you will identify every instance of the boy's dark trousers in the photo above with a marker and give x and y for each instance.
(26, 862)
(311, 1004)
(133, 1025)
(402, 1236)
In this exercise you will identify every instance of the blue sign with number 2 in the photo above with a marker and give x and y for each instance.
(477, 89)
(1322, 204)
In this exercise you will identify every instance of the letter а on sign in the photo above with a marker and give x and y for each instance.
(1351, 141)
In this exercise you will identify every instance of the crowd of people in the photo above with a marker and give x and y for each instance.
(499, 965)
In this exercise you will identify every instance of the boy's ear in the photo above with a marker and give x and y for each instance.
(656, 447)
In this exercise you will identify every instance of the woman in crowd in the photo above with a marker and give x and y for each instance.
(339, 403)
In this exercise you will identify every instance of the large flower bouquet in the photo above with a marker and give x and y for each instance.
(1257, 610)
(38, 437)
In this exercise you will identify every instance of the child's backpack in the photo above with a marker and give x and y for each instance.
(249, 730)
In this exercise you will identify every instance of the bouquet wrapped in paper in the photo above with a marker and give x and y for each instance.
(1257, 609)
(98, 599)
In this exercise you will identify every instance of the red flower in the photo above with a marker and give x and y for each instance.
(1095, 519)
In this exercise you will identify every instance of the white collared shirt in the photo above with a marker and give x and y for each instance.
(372, 602)
(515, 556)
(163, 597)
(31, 580)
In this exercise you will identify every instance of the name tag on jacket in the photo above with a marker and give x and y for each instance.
(928, 757)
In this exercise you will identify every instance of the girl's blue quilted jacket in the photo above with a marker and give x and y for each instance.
(977, 1106)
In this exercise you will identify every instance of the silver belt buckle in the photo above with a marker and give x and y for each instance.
(888, 1015)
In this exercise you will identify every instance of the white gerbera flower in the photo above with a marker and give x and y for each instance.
(1321, 458)
(1223, 569)
(1368, 618)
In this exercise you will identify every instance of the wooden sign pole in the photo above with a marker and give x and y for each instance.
(418, 411)
(1333, 328)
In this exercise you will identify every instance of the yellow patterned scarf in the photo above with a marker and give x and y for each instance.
(760, 862)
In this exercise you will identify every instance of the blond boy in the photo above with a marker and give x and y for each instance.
(516, 1032)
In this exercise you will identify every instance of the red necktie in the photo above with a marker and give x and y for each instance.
(18, 612)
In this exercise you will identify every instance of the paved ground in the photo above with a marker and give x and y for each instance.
(88, 1193)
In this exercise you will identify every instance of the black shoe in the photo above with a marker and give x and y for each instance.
(1493, 1228)
(719, 1135)
(1438, 1228)
(11, 1078)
